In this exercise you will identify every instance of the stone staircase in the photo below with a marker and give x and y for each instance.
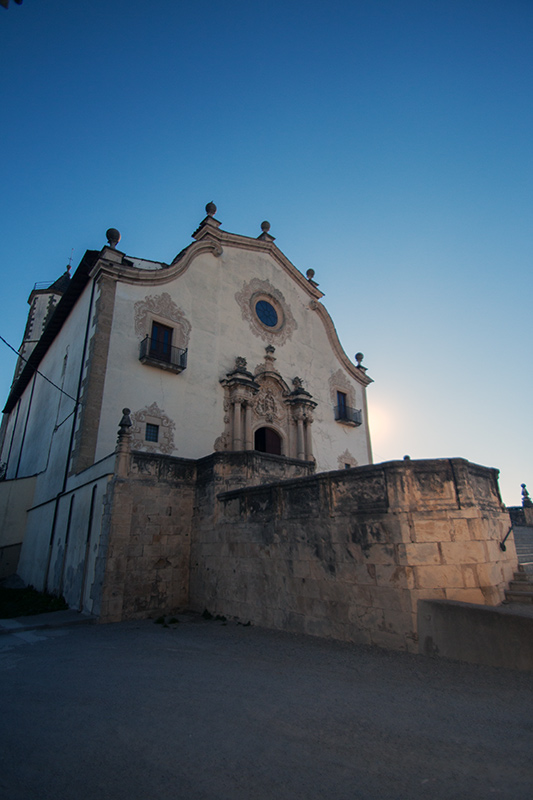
(520, 588)
(523, 537)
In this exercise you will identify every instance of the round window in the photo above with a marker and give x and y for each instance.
(266, 313)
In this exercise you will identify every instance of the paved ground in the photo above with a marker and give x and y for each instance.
(207, 711)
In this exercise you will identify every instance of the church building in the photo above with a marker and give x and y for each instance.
(225, 372)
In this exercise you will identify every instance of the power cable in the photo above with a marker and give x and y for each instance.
(40, 373)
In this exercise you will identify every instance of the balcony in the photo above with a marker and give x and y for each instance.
(161, 355)
(349, 416)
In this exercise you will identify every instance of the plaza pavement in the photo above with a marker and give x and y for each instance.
(204, 710)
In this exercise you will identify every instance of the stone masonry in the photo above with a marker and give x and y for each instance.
(343, 554)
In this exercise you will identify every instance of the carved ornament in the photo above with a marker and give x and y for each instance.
(255, 290)
(338, 382)
(162, 306)
(154, 415)
(346, 458)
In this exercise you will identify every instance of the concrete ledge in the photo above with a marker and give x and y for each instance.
(500, 636)
(53, 619)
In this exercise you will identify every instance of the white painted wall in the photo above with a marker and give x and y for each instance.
(194, 399)
(45, 432)
(15, 499)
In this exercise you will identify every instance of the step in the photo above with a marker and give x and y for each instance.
(521, 586)
(521, 576)
(519, 597)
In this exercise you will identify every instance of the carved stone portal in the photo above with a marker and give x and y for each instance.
(263, 399)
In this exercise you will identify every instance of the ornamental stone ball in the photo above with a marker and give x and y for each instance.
(359, 358)
(265, 226)
(310, 274)
(211, 209)
(112, 236)
(125, 422)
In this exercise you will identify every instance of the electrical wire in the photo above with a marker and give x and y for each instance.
(40, 373)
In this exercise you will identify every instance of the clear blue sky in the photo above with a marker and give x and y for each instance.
(388, 142)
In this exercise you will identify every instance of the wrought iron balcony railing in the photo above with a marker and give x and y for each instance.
(353, 416)
(159, 354)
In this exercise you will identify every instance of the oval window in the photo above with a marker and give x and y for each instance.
(266, 313)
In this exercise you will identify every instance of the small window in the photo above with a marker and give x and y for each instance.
(152, 432)
(347, 466)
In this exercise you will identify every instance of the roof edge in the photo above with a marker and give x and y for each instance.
(78, 282)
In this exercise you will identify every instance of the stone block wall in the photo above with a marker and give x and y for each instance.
(146, 535)
(349, 554)
(148, 525)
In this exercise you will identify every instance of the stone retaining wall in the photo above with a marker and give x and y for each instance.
(349, 554)
(147, 529)
(345, 554)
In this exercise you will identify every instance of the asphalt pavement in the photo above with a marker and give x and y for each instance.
(207, 710)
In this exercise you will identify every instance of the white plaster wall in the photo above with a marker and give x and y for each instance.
(15, 499)
(71, 575)
(35, 549)
(194, 399)
(45, 449)
(34, 554)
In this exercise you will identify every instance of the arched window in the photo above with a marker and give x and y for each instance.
(267, 441)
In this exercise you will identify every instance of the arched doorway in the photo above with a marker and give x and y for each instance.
(267, 440)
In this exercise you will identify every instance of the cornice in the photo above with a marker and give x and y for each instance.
(209, 240)
(121, 271)
(357, 373)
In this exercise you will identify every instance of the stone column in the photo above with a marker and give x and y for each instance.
(300, 444)
(308, 439)
(248, 441)
(237, 424)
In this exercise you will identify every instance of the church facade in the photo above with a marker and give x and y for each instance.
(226, 373)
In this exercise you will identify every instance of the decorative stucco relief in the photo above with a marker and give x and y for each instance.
(256, 290)
(346, 458)
(162, 306)
(338, 382)
(266, 406)
(155, 416)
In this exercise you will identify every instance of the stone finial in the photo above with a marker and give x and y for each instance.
(310, 274)
(297, 382)
(211, 209)
(125, 423)
(270, 349)
(240, 364)
(526, 499)
(123, 449)
(113, 237)
(265, 235)
(359, 358)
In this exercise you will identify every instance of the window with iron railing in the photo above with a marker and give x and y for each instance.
(352, 416)
(158, 352)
